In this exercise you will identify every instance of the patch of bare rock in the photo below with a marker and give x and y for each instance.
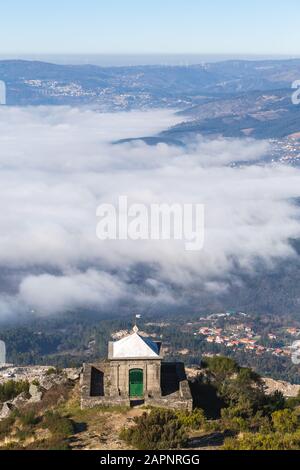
(41, 379)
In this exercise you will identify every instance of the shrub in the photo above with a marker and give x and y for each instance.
(159, 430)
(285, 421)
(240, 418)
(28, 418)
(11, 389)
(36, 382)
(192, 420)
(292, 403)
(274, 402)
(12, 446)
(59, 426)
(23, 434)
(49, 444)
(52, 371)
(272, 441)
(232, 421)
(51, 398)
(6, 426)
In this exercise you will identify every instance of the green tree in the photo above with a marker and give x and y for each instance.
(285, 421)
(245, 387)
(220, 367)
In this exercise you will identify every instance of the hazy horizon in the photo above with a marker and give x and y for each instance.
(107, 60)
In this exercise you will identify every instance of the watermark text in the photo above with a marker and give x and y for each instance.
(182, 222)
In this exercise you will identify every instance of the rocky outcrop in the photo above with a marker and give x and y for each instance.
(36, 393)
(41, 381)
(6, 410)
(50, 381)
(287, 389)
(36, 374)
(73, 374)
(20, 400)
(271, 385)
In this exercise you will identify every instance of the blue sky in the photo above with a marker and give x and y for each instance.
(150, 26)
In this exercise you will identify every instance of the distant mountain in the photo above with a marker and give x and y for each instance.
(113, 88)
(262, 115)
(232, 98)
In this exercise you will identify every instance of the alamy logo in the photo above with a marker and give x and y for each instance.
(296, 94)
(2, 93)
(2, 353)
(296, 352)
(159, 222)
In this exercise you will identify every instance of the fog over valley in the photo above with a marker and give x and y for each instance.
(59, 163)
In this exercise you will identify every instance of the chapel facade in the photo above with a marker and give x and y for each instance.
(135, 373)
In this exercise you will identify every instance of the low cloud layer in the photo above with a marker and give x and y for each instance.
(58, 164)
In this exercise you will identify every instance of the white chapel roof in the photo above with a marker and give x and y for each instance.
(135, 346)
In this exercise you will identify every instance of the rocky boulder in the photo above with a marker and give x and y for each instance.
(49, 381)
(288, 390)
(73, 374)
(6, 410)
(36, 393)
(20, 400)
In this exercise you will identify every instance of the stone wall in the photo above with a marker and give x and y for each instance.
(86, 381)
(171, 403)
(116, 384)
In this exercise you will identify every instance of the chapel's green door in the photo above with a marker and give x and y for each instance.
(136, 383)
